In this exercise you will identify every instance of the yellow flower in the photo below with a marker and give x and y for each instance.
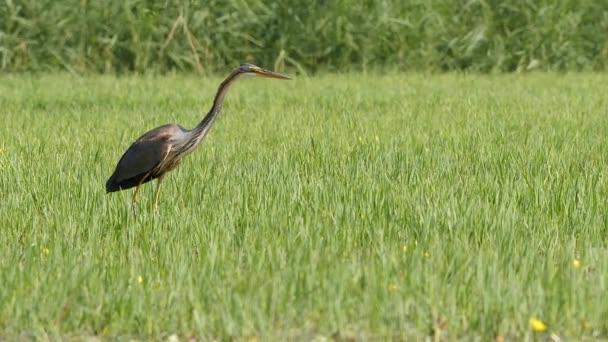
(427, 254)
(393, 287)
(576, 263)
(1, 150)
(44, 251)
(140, 280)
(405, 248)
(537, 325)
(360, 139)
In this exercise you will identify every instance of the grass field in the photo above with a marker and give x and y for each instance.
(347, 206)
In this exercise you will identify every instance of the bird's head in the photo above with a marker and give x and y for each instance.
(252, 70)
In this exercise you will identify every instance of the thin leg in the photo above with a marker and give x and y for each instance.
(134, 200)
(160, 180)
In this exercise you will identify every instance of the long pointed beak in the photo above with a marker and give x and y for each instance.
(271, 74)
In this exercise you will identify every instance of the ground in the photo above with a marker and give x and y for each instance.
(352, 206)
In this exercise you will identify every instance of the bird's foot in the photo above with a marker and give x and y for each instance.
(134, 209)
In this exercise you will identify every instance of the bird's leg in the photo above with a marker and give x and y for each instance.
(134, 201)
(160, 180)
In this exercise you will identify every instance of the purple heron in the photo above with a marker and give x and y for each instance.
(160, 150)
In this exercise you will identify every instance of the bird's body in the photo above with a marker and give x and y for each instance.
(148, 158)
(160, 150)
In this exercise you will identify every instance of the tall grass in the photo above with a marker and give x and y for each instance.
(159, 36)
(352, 207)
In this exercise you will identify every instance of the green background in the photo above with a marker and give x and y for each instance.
(207, 36)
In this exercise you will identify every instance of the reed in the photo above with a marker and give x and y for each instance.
(137, 36)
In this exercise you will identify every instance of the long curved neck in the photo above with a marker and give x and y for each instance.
(199, 132)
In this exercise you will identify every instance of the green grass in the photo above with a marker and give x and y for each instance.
(290, 220)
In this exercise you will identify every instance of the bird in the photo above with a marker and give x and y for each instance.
(161, 149)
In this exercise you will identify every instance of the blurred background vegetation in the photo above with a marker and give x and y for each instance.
(157, 36)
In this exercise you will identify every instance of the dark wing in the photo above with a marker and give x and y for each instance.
(142, 157)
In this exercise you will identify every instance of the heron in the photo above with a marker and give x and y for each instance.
(161, 150)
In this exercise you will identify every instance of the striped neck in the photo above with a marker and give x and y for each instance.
(199, 132)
